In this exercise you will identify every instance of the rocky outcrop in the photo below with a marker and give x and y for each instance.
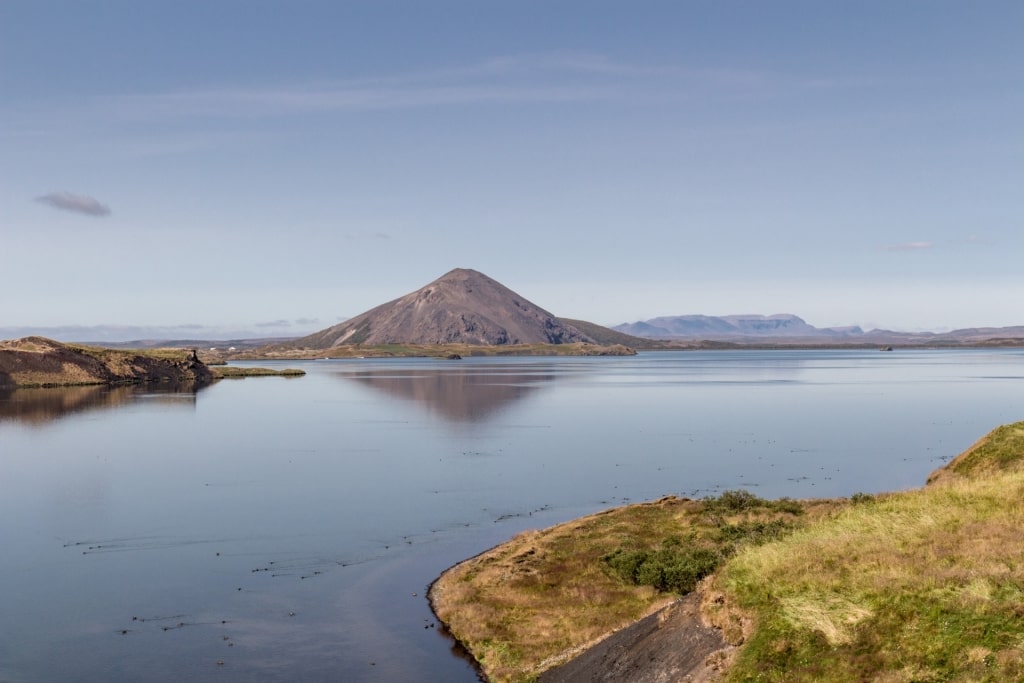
(461, 307)
(37, 361)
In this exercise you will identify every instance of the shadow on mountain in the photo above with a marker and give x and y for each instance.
(41, 406)
(465, 395)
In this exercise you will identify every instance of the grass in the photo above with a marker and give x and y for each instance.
(998, 451)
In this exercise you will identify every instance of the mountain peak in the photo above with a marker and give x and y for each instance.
(462, 306)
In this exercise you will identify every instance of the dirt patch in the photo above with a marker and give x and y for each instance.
(672, 644)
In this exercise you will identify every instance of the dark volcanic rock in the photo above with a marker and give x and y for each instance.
(461, 307)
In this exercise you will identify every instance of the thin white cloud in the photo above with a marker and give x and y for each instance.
(531, 78)
(66, 201)
(909, 246)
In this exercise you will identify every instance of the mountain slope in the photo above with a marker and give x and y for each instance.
(461, 307)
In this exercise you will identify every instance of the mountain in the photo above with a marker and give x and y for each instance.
(731, 326)
(461, 307)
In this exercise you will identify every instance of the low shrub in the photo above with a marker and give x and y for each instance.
(673, 567)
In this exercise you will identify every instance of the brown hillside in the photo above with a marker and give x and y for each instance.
(461, 307)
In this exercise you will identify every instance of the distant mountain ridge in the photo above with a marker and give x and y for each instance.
(463, 306)
(789, 328)
(729, 326)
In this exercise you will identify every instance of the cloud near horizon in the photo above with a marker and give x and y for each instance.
(66, 201)
(909, 246)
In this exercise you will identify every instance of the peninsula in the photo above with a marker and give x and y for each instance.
(41, 362)
(921, 585)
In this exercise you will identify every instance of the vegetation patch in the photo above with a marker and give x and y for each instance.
(1000, 450)
(673, 567)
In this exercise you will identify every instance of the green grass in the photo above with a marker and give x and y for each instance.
(1000, 450)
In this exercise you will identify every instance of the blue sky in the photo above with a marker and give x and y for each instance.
(226, 167)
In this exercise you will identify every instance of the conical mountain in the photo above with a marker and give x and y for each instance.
(461, 307)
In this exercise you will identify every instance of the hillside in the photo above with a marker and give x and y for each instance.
(461, 307)
(37, 361)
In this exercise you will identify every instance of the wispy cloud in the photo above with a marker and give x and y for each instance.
(532, 78)
(909, 246)
(65, 201)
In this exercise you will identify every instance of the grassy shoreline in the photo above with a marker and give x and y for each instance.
(922, 585)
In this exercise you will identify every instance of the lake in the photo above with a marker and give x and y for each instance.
(273, 529)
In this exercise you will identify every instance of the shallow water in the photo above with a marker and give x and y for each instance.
(279, 529)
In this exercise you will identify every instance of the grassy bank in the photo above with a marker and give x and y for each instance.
(925, 585)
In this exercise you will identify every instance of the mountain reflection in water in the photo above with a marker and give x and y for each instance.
(44, 405)
(465, 395)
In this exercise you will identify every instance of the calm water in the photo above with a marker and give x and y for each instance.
(287, 529)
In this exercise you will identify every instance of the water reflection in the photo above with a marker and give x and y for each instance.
(41, 406)
(464, 395)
